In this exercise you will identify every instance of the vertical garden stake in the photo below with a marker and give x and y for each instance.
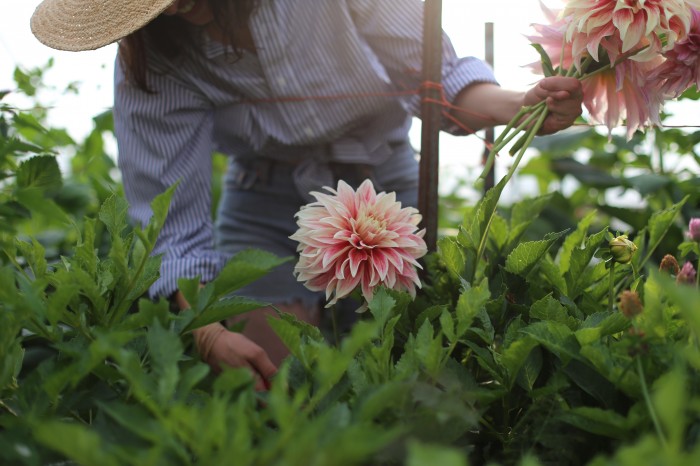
(431, 115)
(490, 133)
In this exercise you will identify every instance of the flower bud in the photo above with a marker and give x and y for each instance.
(687, 274)
(669, 264)
(622, 249)
(694, 229)
(630, 304)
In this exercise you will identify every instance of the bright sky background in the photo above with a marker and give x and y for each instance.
(463, 20)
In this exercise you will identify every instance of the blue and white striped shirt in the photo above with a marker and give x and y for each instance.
(206, 103)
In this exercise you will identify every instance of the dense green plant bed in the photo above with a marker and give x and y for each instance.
(538, 337)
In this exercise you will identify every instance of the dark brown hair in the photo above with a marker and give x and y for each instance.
(171, 36)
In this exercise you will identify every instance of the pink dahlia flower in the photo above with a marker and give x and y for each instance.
(358, 238)
(637, 23)
(682, 66)
(621, 94)
(694, 229)
(687, 274)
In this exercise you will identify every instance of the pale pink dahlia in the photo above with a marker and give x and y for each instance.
(694, 230)
(657, 23)
(349, 238)
(621, 94)
(682, 66)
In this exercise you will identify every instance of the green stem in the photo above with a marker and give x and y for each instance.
(697, 274)
(507, 135)
(611, 286)
(650, 406)
(531, 132)
(334, 321)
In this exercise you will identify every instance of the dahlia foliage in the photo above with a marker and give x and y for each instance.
(351, 238)
(631, 55)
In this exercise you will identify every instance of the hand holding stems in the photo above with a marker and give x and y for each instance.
(218, 346)
(552, 105)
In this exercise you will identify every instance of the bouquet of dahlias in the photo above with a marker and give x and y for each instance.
(631, 56)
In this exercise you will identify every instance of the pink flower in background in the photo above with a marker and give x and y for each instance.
(687, 274)
(682, 66)
(358, 238)
(694, 229)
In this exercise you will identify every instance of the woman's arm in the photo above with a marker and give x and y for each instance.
(484, 104)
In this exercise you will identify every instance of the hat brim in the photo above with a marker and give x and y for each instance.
(77, 25)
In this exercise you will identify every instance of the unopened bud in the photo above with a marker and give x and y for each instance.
(630, 304)
(622, 249)
(694, 229)
(669, 264)
(687, 274)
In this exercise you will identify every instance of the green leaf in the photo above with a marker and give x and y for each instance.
(659, 224)
(75, 441)
(549, 308)
(40, 172)
(522, 214)
(670, 399)
(601, 324)
(578, 277)
(421, 454)
(224, 309)
(527, 255)
(243, 269)
(513, 358)
(574, 241)
(381, 306)
(530, 370)
(603, 422)
(165, 349)
(113, 214)
(556, 337)
(452, 256)
(547, 67)
(471, 302)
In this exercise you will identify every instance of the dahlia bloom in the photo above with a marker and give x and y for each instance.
(687, 274)
(357, 238)
(694, 230)
(660, 22)
(682, 66)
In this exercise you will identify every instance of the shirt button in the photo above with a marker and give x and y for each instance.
(281, 81)
(309, 131)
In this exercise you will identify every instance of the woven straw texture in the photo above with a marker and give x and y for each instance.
(90, 24)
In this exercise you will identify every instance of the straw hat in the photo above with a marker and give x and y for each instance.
(90, 24)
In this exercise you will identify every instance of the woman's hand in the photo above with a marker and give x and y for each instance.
(564, 97)
(217, 346)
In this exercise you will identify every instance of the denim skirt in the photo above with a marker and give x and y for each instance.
(258, 206)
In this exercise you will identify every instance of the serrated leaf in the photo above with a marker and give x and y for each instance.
(451, 254)
(556, 337)
(579, 275)
(603, 422)
(601, 324)
(470, 303)
(165, 350)
(420, 454)
(224, 309)
(530, 370)
(75, 441)
(515, 355)
(113, 214)
(574, 241)
(526, 256)
(243, 269)
(659, 224)
(549, 309)
(40, 172)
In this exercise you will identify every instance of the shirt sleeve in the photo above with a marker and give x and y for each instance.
(165, 137)
(394, 31)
